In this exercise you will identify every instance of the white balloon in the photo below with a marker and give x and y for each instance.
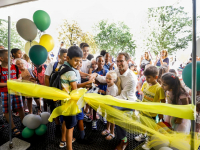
(25, 120)
(198, 47)
(45, 116)
(165, 148)
(32, 121)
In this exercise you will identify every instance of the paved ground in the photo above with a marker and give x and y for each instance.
(50, 141)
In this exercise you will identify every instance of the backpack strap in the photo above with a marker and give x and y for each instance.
(55, 66)
(17, 73)
(104, 72)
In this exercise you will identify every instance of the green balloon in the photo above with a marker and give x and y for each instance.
(42, 20)
(187, 75)
(38, 54)
(41, 129)
(27, 133)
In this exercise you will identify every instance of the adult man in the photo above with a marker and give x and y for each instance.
(128, 84)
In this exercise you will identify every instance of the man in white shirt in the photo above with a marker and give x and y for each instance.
(128, 84)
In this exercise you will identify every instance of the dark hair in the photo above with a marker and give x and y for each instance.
(151, 71)
(13, 51)
(98, 57)
(161, 71)
(90, 56)
(142, 67)
(85, 45)
(81, 45)
(2, 52)
(62, 51)
(126, 55)
(173, 71)
(174, 83)
(74, 51)
(131, 65)
(103, 52)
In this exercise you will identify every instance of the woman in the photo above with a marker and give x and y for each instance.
(27, 75)
(163, 60)
(145, 60)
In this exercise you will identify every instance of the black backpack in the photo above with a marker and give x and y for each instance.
(55, 76)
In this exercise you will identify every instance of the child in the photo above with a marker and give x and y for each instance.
(68, 82)
(16, 101)
(52, 67)
(113, 90)
(152, 92)
(101, 71)
(108, 62)
(161, 71)
(85, 62)
(27, 75)
(93, 66)
(176, 95)
(173, 71)
(17, 53)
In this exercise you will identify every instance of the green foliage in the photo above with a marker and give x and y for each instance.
(16, 40)
(71, 33)
(168, 28)
(114, 38)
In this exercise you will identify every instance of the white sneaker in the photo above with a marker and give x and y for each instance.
(140, 138)
(146, 146)
(94, 125)
(104, 120)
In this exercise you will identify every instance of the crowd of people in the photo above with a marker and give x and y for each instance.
(152, 82)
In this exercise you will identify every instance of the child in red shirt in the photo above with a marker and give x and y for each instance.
(16, 101)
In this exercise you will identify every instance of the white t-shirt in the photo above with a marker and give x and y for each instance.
(85, 66)
(49, 68)
(113, 90)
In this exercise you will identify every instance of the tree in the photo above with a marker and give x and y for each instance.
(71, 33)
(16, 40)
(168, 28)
(114, 37)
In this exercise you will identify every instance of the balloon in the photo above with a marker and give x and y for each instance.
(32, 121)
(47, 41)
(198, 47)
(28, 45)
(26, 119)
(42, 20)
(41, 129)
(38, 54)
(187, 75)
(26, 29)
(27, 133)
(45, 116)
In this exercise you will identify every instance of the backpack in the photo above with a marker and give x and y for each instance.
(55, 76)
(54, 68)
(17, 72)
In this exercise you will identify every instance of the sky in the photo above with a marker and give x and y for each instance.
(89, 12)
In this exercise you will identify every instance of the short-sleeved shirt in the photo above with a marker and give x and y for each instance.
(152, 93)
(101, 86)
(112, 90)
(166, 60)
(49, 68)
(66, 78)
(145, 62)
(107, 66)
(4, 76)
(85, 66)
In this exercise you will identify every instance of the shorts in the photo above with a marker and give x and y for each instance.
(80, 116)
(15, 100)
(70, 121)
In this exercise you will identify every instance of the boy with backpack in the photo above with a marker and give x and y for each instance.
(65, 79)
(16, 101)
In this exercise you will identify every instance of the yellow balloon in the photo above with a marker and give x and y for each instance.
(47, 41)
(28, 45)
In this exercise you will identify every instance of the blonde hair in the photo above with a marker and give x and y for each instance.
(147, 55)
(25, 57)
(117, 79)
(165, 51)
